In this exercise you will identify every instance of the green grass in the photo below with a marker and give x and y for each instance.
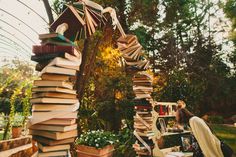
(226, 134)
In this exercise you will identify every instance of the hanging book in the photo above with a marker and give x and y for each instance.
(74, 20)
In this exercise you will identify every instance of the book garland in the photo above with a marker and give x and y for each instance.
(53, 123)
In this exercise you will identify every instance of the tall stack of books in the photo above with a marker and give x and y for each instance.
(143, 121)
(54, 101)
(132, 53)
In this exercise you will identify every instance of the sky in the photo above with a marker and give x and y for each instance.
(16, 38)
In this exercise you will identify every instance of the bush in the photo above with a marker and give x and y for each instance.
(98, 139)
(18, 120)
(124, 148)
(216, 119)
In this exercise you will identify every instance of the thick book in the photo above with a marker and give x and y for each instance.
(65, 63)
(48, 83)
(54, 100)
(39, 117)
(53, 127)
(48, 49)
(55, 38)
(53, 89)
(60, 121)
(53, 107)
(51, 142)
(54, 135)
(58, 70)
(54, 95)
(45, 148)
(55, 77)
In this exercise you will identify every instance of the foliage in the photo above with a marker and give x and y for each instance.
(16, 81)
(16, 78)
(18, 120)
(2, 120)
(216, 119)
(127, 139)
(57, 6)
(98, 139)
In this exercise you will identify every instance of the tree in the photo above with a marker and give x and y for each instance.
(16, 82)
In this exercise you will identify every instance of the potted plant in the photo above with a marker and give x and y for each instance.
(17, 125)
(96, 144)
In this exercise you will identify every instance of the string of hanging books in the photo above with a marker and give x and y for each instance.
(55, 104)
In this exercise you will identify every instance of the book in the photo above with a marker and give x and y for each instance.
(45, 148)
(47, 57)
(53, 154)
(129, 38)
(55, 77)
(51, 142)
(65, 63)
(49, 83)
(53, 89)
(77, 58)
(54, 135)
(142, 88)
(59, 121)
(54, 95)
(123, 46)
(53, 127)
(58, 70)
(55, 38)
(143, 75)
(74, 21)
(144, 118)
(39, 117)
(130, 49)
(54, 100)
(145, 107)
(53, 107)
(48, 49)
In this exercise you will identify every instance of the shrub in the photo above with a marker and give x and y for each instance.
(18, 120)
(98, 139)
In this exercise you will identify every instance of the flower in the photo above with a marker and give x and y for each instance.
(98, 139)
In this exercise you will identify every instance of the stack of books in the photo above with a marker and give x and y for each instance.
(132, 53)
(143, 121)
(54, 101)
(142, 85)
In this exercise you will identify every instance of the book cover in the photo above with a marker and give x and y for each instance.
(55, 38)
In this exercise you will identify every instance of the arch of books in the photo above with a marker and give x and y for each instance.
(58, 60)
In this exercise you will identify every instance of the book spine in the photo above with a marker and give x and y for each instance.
(47, 49)
(45, 58)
